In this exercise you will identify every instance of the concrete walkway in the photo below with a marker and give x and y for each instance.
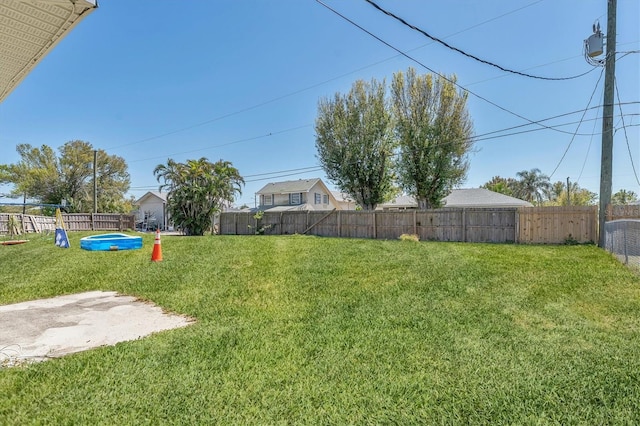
(50, 328)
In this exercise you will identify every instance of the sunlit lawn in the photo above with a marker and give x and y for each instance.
(299, 329)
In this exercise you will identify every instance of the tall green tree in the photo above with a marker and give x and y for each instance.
(506, 186)
(532, 186)
(624, 197)
(355, 143)
(557, 195)
(47, 177)
(434, 132)
(197, 190)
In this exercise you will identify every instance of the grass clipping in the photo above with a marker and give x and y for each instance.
(409, 237)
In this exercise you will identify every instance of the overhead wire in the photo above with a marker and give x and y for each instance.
(584, 163)
(226, 144)
(476, 138)
(579, 124)
(433, 71)
(546, 64)
(260, 176)
(310, 169)
(447, 45)
(278, 98)
(626, 137)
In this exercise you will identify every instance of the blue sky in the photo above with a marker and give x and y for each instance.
(241, 80)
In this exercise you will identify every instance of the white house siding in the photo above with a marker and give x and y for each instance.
(279, 195)
(318, 188)
(155, 207)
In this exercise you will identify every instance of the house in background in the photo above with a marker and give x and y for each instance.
(301, 194)
(344, 200)
(152, 211)
(475, 197)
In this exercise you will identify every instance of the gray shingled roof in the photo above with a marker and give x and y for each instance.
(289, 186)
(475, 197)
(480, 197)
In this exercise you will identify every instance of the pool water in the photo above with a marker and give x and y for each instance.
(111, 242)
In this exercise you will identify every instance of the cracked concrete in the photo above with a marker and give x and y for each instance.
(50, 328)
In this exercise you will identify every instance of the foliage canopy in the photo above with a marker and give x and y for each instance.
(355, 142)
(197, 190)
(434, 133)
(424, 123)
(48, 178)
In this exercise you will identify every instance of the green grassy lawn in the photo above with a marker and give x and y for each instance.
(296, 329)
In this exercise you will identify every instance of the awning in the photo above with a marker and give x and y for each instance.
(29, 29)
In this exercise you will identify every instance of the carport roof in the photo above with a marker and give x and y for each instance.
(29, 29)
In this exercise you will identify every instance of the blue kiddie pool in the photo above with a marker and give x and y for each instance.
(111, 242)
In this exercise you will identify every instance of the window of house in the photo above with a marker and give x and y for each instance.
(317, 198)
(294, 198)
(267, 199)
(325, 199)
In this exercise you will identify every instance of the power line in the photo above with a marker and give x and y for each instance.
(285, 175)
(226, 144)
(584, 163)
(551, 118)
(277, 174)
(550, 63)
(283, 171)
(435, 72)
(580, 123)
(278, 98)
(476, 138)
(635, 173)
(437, 40)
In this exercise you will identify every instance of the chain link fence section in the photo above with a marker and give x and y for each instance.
(622, 238)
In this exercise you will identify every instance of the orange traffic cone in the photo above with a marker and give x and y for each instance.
(156, 256)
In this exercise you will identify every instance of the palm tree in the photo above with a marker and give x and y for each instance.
(197, 190)
(501, 185)
(532, 185)
(624, 197)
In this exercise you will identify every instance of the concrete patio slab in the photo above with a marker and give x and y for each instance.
(49, 328)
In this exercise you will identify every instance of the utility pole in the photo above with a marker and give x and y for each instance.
(568, 192)
(95, 181)
(606, 160)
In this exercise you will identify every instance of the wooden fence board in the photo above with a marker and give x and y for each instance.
(73, 222)
(615, 212)
(555, 225)
(546, 225)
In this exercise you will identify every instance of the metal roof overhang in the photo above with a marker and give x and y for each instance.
(29, 29)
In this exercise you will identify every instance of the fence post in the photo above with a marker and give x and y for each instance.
(516, 220)
(415, 223)
(339, 224)
(464, 225)
(624, 242)
(375, 225)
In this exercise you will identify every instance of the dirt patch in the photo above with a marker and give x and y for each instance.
(49, 328)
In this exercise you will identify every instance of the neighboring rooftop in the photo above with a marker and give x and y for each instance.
(161, 195)
(289, 186)
(480, 197)
(474, 197)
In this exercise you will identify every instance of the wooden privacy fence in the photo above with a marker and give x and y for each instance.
(547, 225)
(72, 222)
(623, 212)
(556, 225)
